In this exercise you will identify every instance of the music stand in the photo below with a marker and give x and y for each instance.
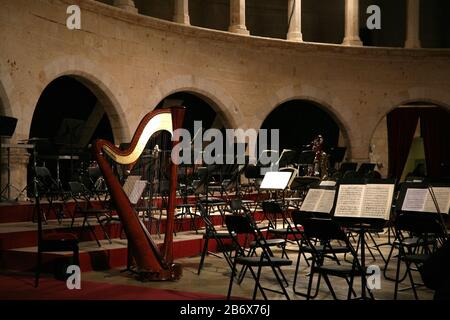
(69, 135)
(288, 157)
(337, 155)
(365, 168)
(348, 166)
(276, 181)
(306, 159)
(7, 128)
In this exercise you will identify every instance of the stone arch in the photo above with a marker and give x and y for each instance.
(99, 82)
(437, 97)
(220, 100)
(319, 98)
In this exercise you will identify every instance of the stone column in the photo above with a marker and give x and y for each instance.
(19, 158)
(295, 20)
(181, 14)
(237, 17)
(352, 23)
(127, 5)
(413, 24)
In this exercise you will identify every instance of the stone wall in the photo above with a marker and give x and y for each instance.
(131, 62)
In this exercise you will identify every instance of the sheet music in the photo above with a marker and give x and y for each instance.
(129, 184)
(420, 200)
(377, 201)
(366, 201)
(326, 202)
(414, 199)
(350, 199)
(327, 183)
(137, 191)
(275, 180)
(312, 198)
(442, 197)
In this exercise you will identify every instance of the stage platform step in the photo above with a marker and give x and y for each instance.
(18, 238)
(93, 257)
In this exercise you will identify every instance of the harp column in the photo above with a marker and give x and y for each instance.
(181, 12)
(127, 5)
(237, 17)
(295, 20)
(352, 23)
(413, 24)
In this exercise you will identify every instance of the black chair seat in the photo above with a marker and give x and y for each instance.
(284, 231)
(256, 261)
(59, 237)
(327, 250)
(270, 242)
(93, 211)
(338, 270)
(416, 258)
(221, 235)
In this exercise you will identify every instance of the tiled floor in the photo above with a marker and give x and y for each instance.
(214, 278)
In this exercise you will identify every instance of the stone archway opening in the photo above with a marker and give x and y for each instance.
(413, 140)
(68, 117)
(198, 108)
(300, 121)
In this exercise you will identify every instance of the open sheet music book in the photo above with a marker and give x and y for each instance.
(318, 200)
(365, 201)
(134, 187)
(420, 200)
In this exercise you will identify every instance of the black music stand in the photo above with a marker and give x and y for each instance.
(7, 128)
(365, 168)
(348, 166)
(68, 137)
(337, 155)
(306, 159)
(288, 157)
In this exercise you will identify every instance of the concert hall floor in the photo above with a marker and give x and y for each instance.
(212, 283)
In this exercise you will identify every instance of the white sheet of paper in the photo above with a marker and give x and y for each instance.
(349, 202)
(327, 183)
(136, 193)
(312, 198)
(129, 184)
(443, 199)
(275, 180)
(377, 201)
(326, 202)
(420, 200)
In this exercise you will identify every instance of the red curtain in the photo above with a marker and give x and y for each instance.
(435, 129)
(401, 124)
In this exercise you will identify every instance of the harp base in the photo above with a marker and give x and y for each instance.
(173, 273)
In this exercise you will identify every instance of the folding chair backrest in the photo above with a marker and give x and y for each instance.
(236, 205)
(239, 225)
(323, 229)
(299, 217)
(76, 188)
(419, 223)
(205, 217)
(271, 207)
(43, 172)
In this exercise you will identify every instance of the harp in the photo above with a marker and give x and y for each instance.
(152, 262)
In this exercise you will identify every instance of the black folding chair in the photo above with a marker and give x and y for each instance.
(325, 231)
(211, 233)
(326, 249)
(84, 207)
(427, 233)
(243, 225)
